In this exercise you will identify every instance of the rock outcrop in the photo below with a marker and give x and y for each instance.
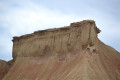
(69, 53)
(54, 41)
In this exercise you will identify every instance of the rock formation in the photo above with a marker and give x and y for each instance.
(69, 53)
(3, 69)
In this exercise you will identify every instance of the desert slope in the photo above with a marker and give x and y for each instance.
(3, 68)
(69, 53)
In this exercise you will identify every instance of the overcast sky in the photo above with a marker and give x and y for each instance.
(18, 17)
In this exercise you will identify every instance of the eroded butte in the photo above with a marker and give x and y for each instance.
(69, 53)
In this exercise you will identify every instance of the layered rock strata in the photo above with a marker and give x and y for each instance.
(69, 53)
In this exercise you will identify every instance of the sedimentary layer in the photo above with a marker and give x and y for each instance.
(69, 53)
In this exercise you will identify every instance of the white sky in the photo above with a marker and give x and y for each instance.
(18, 17)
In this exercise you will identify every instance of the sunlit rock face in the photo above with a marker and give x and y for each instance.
(56, 41)
(72, 52)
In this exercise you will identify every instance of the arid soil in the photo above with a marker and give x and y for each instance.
(3, 69)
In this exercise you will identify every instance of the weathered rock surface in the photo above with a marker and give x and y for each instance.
(69, 53)
(3, 69)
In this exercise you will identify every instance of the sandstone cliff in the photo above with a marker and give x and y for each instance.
(69, 53)
(56, 41)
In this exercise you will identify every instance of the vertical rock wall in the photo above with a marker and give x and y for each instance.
(54, 41)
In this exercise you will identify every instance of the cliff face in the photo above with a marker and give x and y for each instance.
(56, 41)
(69, 53)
